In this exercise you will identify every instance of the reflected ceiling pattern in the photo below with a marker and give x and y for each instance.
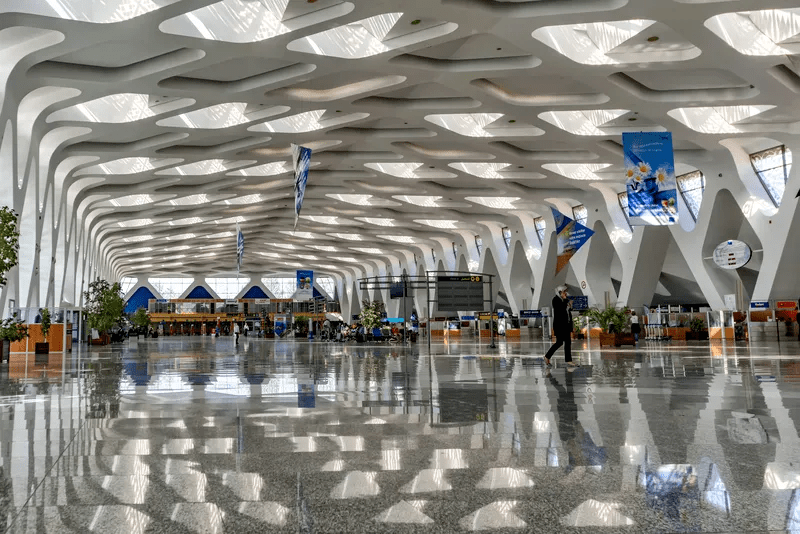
(481, 100)
(196, 434)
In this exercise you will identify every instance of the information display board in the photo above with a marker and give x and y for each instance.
(530, 314)
(732, 254)
(579, 302)
(454, 293)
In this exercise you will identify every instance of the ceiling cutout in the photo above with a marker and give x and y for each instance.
(243, 21)
(337, 92)
(106, 12)
(409, 170)
(483, 125)
(371, 36)
(770, 32)
(718, 120)
(495, 171)
(121, 107)
(622, 41)
(309, 121)
(223, 116)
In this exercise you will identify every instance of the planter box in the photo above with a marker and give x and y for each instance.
(616, 339)
(697, 336)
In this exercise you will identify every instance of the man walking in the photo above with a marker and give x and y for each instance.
(562, 326)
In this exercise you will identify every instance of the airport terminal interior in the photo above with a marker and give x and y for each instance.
(339, 229)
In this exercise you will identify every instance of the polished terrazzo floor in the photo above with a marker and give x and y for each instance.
(191, 434)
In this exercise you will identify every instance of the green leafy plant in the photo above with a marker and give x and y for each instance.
(45, 323)
(141, 318)
(370, 315)
(9, 242)
(609, 317)
(13, 329)
(104, 304)
(697, 324)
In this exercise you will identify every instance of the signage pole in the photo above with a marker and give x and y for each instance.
(428, 285)
(491, 313)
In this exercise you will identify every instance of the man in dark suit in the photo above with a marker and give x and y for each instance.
(562, 326)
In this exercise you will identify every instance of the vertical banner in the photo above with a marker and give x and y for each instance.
(239, 247)
(571, 236)
(305, 285)
(301, 160)
(650, 178)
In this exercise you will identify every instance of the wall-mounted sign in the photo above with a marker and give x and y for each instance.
(759, 305)
(786, 305)
(579, 302)
(261, 301)
(529, 314)
(468, 317)
(732, 254)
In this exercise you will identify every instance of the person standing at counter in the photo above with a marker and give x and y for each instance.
(562, 326)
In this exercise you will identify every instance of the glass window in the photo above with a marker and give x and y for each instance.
(692, 185)
(170, 288)
(126, 284)
(507, 237)
(622, 198)
(327, 284)
(541, 228)
(227, 288)
(282, 287)
(580, 214)
(455, 250)
(772, 167)
(479, 244)
(433, 255)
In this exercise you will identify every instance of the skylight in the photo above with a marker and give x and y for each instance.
(231, 220)
(444, 224)
(398, 238)
(577, 171)
(180, 237)
(362, 200)
(138, 238)
(300, 235)
(321, 219)
(770, 32)
(205, 167)
(185, 221)
(590, 43)
(481, 125)
(267, 169)
(348, 259)
(367, 250)
(408, 170)
(191, 200)
(502, 203)
(308, 121)
(128, 166)
(424, 201)
(325, 248)
(133, 200)
(376, 221)
(135, 223)
(247, 199)
(494, 171)
(221, 116)
(365, 38)
(716, 120)
(349, 237)
(587, 122)
(772, 167)
(105, 12)
(243, 21)
(115, 109)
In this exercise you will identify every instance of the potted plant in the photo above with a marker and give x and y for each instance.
(141, 320)
(11, 330)
(301, 325)
(104, 307)
(9, 242)
(697, 329)
(44, 348)
(576, 328)
(612, 322)
(370, 316)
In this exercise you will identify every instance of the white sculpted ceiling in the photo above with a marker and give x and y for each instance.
(427, 117)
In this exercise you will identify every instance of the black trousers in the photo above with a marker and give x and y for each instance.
(561, 339)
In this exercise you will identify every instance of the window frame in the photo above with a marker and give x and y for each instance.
(540, 232)
(624, 208)
(506, 233)
(755, 155)
(684, 191)
(479, 244)
(575, 217)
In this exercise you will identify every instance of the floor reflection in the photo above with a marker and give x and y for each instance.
(195, 433)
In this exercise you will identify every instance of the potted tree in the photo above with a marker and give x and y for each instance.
(11, 330)
(141, 320)
(44, 348)
(370, 316)
(104, 307)
(612, 323)
(697, 329)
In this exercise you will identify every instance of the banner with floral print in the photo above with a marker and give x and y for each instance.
(650, 178)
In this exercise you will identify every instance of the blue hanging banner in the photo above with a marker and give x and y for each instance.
(571, 235)
(305, 285)
(239, 248)
(301, 160)
(650, 178)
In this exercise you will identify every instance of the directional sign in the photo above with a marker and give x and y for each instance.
(454, 293)
(529, 314)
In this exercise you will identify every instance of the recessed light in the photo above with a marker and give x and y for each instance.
(653, 39)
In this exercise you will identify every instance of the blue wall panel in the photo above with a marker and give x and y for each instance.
(139, 300)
